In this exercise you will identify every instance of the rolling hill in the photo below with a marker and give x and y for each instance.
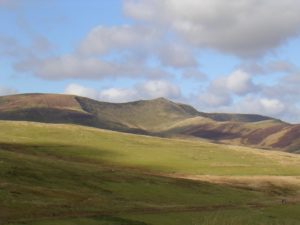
(157, 117)
(73, 175)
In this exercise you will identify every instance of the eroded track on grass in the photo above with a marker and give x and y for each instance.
(285, 187)
(256, 182)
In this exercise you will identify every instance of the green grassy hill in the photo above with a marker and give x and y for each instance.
(158, 117)
(68, 174)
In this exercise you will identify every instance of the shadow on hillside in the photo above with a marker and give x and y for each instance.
(71, 153)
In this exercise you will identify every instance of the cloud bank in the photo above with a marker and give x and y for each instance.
(246, 28)
(160, 46)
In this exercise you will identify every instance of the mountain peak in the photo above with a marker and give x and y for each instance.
(160, 99)
(158, 116)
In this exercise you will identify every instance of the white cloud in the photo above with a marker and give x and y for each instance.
(246, 27)
(212, 100)
(142, 10)
(102, 40)
(159, 88)
(117, 95)
(253, 104)
(239, 82)
(221, 90)
(146, 90)
(177, 55)
(138, 41)
(76, 89)
(70, 66)
(167, 36)
(259, 105)
(279, 99)
(272, 106)
(74, 66)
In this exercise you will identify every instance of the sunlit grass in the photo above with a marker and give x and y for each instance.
(65, 174)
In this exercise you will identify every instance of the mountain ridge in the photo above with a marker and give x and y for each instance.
(157, 117)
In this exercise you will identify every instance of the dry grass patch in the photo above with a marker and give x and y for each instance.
(283, 186)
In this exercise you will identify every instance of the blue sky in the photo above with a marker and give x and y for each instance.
(219, 56)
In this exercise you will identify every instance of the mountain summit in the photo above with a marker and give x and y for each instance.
(159, 117)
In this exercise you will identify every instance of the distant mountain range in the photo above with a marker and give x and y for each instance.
(157, 117)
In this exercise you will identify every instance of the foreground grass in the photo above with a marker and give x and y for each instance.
(59, 174)
(278, 215)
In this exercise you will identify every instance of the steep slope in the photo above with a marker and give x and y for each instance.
(153, 117)
(148, 115)
(137, 117)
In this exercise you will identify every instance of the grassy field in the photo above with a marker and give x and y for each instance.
(66, 174)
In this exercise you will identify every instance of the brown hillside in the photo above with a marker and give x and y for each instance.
(153, 117)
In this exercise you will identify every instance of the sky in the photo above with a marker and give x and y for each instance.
(239, 56)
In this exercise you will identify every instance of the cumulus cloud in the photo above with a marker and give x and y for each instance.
(137, 41)
(106, 52)
(271, 106)
(118, 95)
(76, 89)
(101, 40)
(212, 100)
(245, 28)
(236, 93)
(177, 55)
(73, 66)
(146, 90)
(239, 82)
(159, 88)
(70, 66)
(164, 39)
(220, 91)
(258, 105)
(251, 104)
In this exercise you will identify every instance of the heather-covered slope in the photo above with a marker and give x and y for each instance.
(263, 134)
